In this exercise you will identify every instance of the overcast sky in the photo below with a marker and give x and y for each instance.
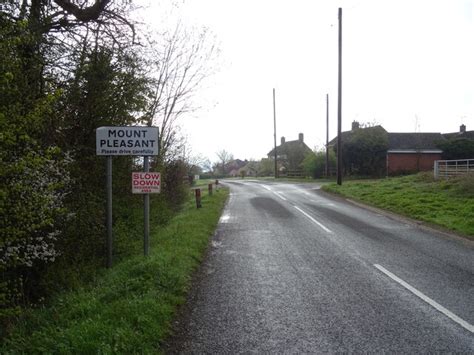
(407, 65)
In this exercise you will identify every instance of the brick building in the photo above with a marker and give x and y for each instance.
(290, 154)
(410, 152)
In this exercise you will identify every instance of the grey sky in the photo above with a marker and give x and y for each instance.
(407, 65)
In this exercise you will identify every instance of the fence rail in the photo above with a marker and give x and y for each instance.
(447, 168)
(292, 174)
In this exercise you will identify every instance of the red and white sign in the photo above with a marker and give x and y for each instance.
(146, 183)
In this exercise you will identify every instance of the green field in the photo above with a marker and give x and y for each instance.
(445, 203)
(129, 308)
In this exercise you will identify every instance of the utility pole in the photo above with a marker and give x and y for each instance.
(327, 135)
(339, 106)
(275, 134)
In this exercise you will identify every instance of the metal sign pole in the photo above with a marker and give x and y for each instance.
(126, 141)
(146, 212)
(109, 212)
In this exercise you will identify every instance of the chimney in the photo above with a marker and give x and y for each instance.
(355, 125)
(282, 140)
(300, 137)
(462, 128)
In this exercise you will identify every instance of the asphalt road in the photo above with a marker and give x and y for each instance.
(292, 270)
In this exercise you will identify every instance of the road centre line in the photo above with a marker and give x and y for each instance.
(280, 196)
(313, 220)
(428, 300)
(276, 193)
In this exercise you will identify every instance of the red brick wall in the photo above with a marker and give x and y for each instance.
(398, 163)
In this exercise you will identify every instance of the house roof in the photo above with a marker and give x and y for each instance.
(414, 141)
(346, 135)
(289, 146)
(467, 134)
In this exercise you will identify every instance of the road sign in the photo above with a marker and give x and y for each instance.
(137, 140)
(146, 183)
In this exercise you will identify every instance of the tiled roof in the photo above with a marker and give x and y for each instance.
(288, 146)
(467, 134)
(409, 141)
(345, 136)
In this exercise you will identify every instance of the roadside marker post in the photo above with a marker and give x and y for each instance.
(127, 140)
(198, 198)
(210, 189)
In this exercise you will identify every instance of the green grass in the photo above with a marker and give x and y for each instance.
(129, 308)
(445, 203)
(203, 182)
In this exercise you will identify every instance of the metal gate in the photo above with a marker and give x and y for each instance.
(447, 168)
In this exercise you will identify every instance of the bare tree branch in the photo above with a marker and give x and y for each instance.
(181, 64)
(91, 13)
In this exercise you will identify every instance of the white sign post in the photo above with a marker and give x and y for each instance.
(137, 140)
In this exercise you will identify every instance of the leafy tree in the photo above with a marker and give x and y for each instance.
(364, 151)
(251, 168)
(457, 148)
(66, 68)
(314, 164)
(47, 146)
(224, 158)
(266, 167)
(33, 172)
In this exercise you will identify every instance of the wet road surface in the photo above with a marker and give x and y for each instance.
(292, 270)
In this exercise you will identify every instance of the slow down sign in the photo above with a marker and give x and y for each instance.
(145, 183)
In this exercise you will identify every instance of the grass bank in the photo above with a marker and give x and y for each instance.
(446, 203)
(130, 307)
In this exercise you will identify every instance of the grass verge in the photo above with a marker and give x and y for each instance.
(129, 308)
(446, 203)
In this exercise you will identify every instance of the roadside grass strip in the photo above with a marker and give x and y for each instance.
(445, 203)
(129, 309)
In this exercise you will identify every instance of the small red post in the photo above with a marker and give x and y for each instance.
(198, 198)
(210, 189)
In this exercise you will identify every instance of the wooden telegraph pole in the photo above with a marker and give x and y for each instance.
(327, 135)
(275, 135)
(339, 106)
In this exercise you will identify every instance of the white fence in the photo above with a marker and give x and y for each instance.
(447, 168)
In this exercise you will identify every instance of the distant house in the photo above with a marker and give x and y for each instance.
(233, 167)
(408, 152)
(462, 133)
(412, 152)
(290, 154)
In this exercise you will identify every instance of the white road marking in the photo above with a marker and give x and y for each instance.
(224, 218)
(279, 195)
(428, 300)
(276, 193)
(313, 220)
